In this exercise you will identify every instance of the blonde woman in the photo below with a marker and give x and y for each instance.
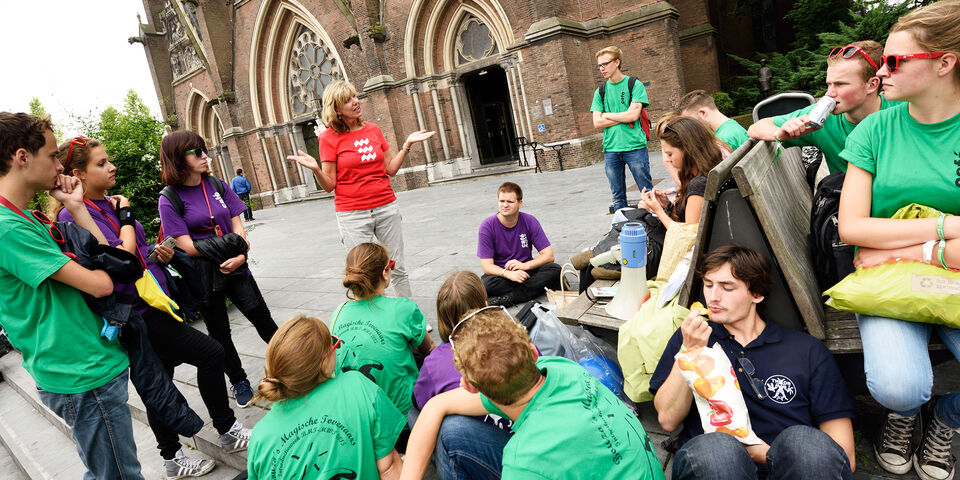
(356, 164)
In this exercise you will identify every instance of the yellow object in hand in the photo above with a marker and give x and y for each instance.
(700, 309)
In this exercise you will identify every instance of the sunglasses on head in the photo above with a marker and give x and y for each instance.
(78, 141)
(893, 61)
(849, 51)
(201, 151)
(52, 228)
(453, 332)
(392, 264)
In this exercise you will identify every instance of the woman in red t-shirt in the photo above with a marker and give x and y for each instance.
(357, 165)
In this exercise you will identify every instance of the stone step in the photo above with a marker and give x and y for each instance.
(54, 429)
(29, 438)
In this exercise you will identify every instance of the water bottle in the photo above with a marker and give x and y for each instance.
(818, 115)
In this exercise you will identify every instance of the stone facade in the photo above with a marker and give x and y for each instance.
(247, 74)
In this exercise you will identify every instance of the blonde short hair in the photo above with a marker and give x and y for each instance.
(935, 27)
(336, 95)
(492, 352)
(613, 51)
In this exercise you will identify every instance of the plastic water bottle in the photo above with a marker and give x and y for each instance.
(820, 112)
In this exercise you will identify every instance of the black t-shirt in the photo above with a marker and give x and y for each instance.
(697, 186)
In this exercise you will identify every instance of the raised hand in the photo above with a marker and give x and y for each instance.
(67, 190)
(304, 158)
(419, 136)
(119, 201)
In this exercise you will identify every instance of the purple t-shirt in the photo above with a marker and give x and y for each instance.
(503, 244)
(113, 239)
(196, 217)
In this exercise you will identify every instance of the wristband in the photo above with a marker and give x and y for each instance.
(940, 227)
(928, 251)
(405, 149)
(503, 272)
(943, 246)
(126, 216)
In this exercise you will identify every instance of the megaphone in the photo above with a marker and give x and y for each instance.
(632, 291)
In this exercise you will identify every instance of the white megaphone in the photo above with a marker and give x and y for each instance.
(632, 291)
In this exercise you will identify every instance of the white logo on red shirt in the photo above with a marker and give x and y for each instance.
(365, 150)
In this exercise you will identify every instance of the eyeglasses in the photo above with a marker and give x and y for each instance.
(392, 264)
(755, 383)
(601, 66)
(79, 141)
(453, 332)
(336, 341)
(52, 228)
(893, 61)
(200, 152)
(849, 51)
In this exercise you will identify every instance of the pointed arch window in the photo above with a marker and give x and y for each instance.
(312, 68)
(474, 41)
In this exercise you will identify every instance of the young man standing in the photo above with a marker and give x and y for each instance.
(81, 375)
(511, 274)
(567, 425)
(617, 113)
(852, 81)
(698, 104)
(795, 396)
(241, 186)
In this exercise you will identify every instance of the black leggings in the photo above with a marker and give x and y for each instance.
(177, 343)
(218, 326)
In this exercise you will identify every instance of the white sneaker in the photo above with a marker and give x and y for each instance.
(236, 439)
(182, 466)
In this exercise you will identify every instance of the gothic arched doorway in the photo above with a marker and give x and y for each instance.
(489, 99)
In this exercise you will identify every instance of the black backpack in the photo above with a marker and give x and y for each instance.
(644, 119)
(832, 259)
(177, 202)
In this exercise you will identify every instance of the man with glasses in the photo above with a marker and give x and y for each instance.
(797, 400)
(567, 425)
(616, 108)
(852, 81)
(80, 375)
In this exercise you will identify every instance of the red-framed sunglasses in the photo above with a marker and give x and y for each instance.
(52, 228)
(78, 141)
(893, 61)
(336, 341)
(849, 51)
(392, 264)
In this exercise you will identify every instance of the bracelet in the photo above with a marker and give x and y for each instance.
(405, 149)
(928, 251)
(503, 272)
(943, 246)
(940, 226)
(126, 216)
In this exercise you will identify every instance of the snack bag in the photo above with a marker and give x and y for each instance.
(716, 390)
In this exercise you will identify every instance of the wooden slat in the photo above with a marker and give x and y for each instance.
(778, 192)
(575, 309)
(602, 321)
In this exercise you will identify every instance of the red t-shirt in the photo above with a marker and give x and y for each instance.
(362, 181)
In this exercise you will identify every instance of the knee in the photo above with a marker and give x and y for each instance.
(900, 393)
(711, 455)
(455, 432)
(804, 448)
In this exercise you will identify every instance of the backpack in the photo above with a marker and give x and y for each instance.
(644, 118)
(177, 202)
(832, 259)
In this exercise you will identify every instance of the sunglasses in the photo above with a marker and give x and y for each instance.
(893, 61)
(52, 228)
(78, 141)
(201, 151)
(336, 341)
(849, 51)
(755, 383)
(453, 332)
(392, 264)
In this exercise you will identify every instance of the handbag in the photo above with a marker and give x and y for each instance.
(563, 297)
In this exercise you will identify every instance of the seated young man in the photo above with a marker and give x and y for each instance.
(852, 81)
(700, 105)
(81, 376)
(511, 274)
(795, 396)
(567, 425)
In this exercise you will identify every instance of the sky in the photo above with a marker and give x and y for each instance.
(73, 56)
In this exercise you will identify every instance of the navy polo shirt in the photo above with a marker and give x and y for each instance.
(800, 378)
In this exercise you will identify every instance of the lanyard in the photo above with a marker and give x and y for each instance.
(11, 206)
(136, 246)
(213, 224)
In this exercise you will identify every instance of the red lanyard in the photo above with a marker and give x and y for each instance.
(136, 247)
(213, 224)
(11, 206)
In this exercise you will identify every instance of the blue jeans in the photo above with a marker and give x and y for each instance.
(638, 161)
(100, 423)
(467, 448)
(897, 364)
(799, 452)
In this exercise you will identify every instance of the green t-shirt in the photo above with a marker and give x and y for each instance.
(911, 162)
(378, 335)
(574, 427)
(616, 99)
(732, 133)
(343, 426)
(48, 321)
(831, 138)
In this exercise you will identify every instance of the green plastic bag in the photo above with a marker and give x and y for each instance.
(642, 340)
(905, 290)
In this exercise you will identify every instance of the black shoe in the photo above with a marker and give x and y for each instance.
(5, 346)
(502, 300)
(894, 448)
(933, 460)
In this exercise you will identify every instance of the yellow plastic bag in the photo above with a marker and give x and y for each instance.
(905, 290)
(150, 292)
(642, 340)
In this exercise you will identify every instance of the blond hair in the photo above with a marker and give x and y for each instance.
(364, 272)
(492, 352)
(936, 28)
(695, 100)
(873, 49)
(336, 95)
(294, 361)
(460, 293)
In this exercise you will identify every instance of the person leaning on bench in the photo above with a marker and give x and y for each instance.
(511, 274)
(567, 425)
(852, 81)
(795, 395)
(909, 154)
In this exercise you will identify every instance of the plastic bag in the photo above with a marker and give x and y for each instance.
(716, 392)
(153, 295)
(904, 289)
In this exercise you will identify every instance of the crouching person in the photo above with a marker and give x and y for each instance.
(566, 424)
(795, 396)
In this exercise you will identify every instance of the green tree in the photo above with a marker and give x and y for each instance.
(132, 137)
